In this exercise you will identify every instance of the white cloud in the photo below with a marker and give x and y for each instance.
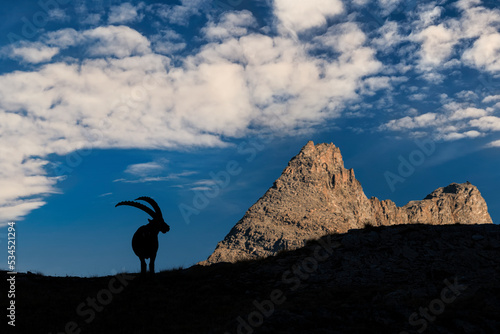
(150, 172)
(432, 77)
(118, 41)
(467, 4)
(388, 6)
(23, 182)
(487, 123)
(178, 14)
(470, 112)
(453, 121)
(147, 168)
(205, 182)
(408, 123)
(491, 98)
(437, 45)
(295, 16)
(32, 52)
(485, 53)
(167, 42)
(127, 96)
(417, 97)
(495, 143)
(428, 14)
(125, 13)
(232, 24)
(467, 95)
(389, 36)
(16, 210)
(446, 41)
(200, 188)
(202, 185)
(58, 14)
(343, 37)
(457, 135)
(452, 64)
(146, 179)
(377, 83)
(477, 20)
(361, 2)
(91, 19)
(63, 38)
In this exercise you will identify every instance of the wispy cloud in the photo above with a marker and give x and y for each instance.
(178, 14)
(31, 52)
(143, 171)
(58, 14)
(126, 13)
(495, 143)
(146, 168)
(146, 179)
(202, 185)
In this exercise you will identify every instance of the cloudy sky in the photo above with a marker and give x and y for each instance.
(200, 104)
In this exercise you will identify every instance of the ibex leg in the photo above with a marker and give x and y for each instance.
(152, 265)
(143, 266)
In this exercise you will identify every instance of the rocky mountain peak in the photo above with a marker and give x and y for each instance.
(315, 195)
(321, 157)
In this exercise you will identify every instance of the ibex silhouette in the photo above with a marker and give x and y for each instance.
(145, 239)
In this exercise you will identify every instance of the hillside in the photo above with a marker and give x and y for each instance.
(388, 279)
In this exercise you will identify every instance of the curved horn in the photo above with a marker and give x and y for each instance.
(153, 203)
(139, 206)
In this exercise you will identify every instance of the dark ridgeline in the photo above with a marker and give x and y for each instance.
(145, 239)
(369, 280)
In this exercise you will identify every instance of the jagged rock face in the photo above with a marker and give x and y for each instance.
(456, 203)
(315, 195)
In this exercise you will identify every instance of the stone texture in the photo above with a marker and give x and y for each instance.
(315, 196)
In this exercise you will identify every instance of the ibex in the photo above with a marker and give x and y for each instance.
(145, 239)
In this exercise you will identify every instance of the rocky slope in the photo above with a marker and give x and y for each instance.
(315, 195)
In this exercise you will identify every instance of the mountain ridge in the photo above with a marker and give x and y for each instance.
(316, 195)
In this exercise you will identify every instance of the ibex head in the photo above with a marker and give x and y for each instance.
(156, 216)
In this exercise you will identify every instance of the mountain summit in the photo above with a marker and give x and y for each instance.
(315, 195)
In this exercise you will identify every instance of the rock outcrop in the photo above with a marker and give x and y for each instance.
(315, 195)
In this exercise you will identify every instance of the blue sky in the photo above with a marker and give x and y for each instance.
(201, 104)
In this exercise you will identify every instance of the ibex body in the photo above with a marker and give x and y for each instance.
(145, 239)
